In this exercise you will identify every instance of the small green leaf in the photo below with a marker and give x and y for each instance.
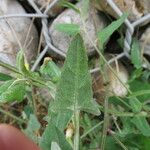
(136, 54)
(12, 90)
(21, 64)
(50, 70)
(135, 104)
(4, 77)
(142, 124)
(136, 74)
(104, 34)
(140, 89)
(33, 128)
(53, 134)
(70, 29)
(70, 5)
(74, 90)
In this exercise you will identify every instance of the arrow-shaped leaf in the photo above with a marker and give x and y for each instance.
(74, 90)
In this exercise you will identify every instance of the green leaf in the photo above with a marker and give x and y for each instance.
(136, 54)
(60, 119)
(139, 93)
(12, 90)
(142, 124)
(53, 134)
(33, 128)
(104, 34)
(74, 90)
(55, 146)
(21, 64)
(140, 89)
(4, 77)
(70, 5)
(128, 127)
(50, 70)
(70, 29)
(135, 104)
(136, 74)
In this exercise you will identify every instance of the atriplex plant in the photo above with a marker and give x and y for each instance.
(73, 106)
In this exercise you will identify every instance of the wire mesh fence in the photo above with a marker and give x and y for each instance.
(131, 26)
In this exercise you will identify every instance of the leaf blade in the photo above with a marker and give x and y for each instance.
(142, 124)
(70, 29)
(136, 54)
(75, 82)
(12, 90)
(4, 77)
(104, 34)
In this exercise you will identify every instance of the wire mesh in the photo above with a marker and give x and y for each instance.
(45, 30)
(130, 27)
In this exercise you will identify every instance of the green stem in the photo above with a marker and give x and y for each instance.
(105, 125)
(92, 129)
(34, 101)
(9, 67)
(118, 141)
(76, 135)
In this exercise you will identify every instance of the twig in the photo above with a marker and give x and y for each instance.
(24, 15)
(119, 56)
(14, 33)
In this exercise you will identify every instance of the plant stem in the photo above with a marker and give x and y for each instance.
(92, 129)
(34, 101)
(105, 125)
(76, 135)
(9, 67)
(117, 140)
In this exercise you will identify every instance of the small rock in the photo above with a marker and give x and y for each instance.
(136, 8)
(93, 23)
(145, 42)
(114, 85)
(14, 31)
(54, 11)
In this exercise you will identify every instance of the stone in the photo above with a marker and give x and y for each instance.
(93, 23)
(114, 87)
(136, 8)
(54, 11)
(145, 42)
(13, 34)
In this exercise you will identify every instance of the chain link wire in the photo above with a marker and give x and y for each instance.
(130, 28)
(49, 46)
